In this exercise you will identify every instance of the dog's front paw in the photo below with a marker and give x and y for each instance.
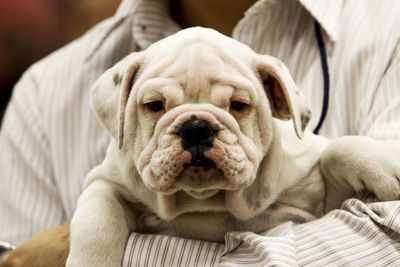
(358, 164)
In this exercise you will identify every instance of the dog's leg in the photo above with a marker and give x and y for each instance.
(100, 227)
(355, 164)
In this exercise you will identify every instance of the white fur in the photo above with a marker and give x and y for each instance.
(267, 170)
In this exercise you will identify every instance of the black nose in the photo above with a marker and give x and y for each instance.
(197, 134)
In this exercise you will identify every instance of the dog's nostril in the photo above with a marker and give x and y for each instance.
(197, 133)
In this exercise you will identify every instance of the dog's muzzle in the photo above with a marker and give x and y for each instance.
(197, 137)
(199, 150)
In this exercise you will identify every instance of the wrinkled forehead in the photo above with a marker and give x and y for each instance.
(196, 67)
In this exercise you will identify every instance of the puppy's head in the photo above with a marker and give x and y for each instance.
(194, 115)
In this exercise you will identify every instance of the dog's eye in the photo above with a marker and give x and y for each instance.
(155, 106)
(237, 105)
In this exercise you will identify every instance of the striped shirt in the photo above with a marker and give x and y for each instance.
(50, 138)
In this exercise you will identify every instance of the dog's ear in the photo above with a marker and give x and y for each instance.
(285, 99)
(109, 95)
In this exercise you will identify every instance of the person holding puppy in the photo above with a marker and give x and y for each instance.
(50, 138)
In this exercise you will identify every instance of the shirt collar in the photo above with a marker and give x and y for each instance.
(147, 29)
(326, 13)
(127, 7)
(151, 20)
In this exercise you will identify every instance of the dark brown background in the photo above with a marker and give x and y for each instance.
(31, 29)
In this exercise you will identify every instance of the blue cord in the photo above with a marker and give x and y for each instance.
(325, 72)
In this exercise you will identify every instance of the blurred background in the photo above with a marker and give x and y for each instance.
(31, 29)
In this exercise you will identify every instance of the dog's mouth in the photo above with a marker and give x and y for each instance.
(202, 194)
(201, 181)
(223, 167)
(200, 162)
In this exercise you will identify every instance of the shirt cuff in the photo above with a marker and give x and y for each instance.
(161, 250)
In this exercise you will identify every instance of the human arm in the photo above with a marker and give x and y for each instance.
(46, 248)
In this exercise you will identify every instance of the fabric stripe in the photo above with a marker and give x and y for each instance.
(170, 251)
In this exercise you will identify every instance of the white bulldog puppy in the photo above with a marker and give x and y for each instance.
(210, 137)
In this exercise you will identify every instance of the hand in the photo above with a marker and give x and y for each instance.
(355, 164)
(47, 248)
